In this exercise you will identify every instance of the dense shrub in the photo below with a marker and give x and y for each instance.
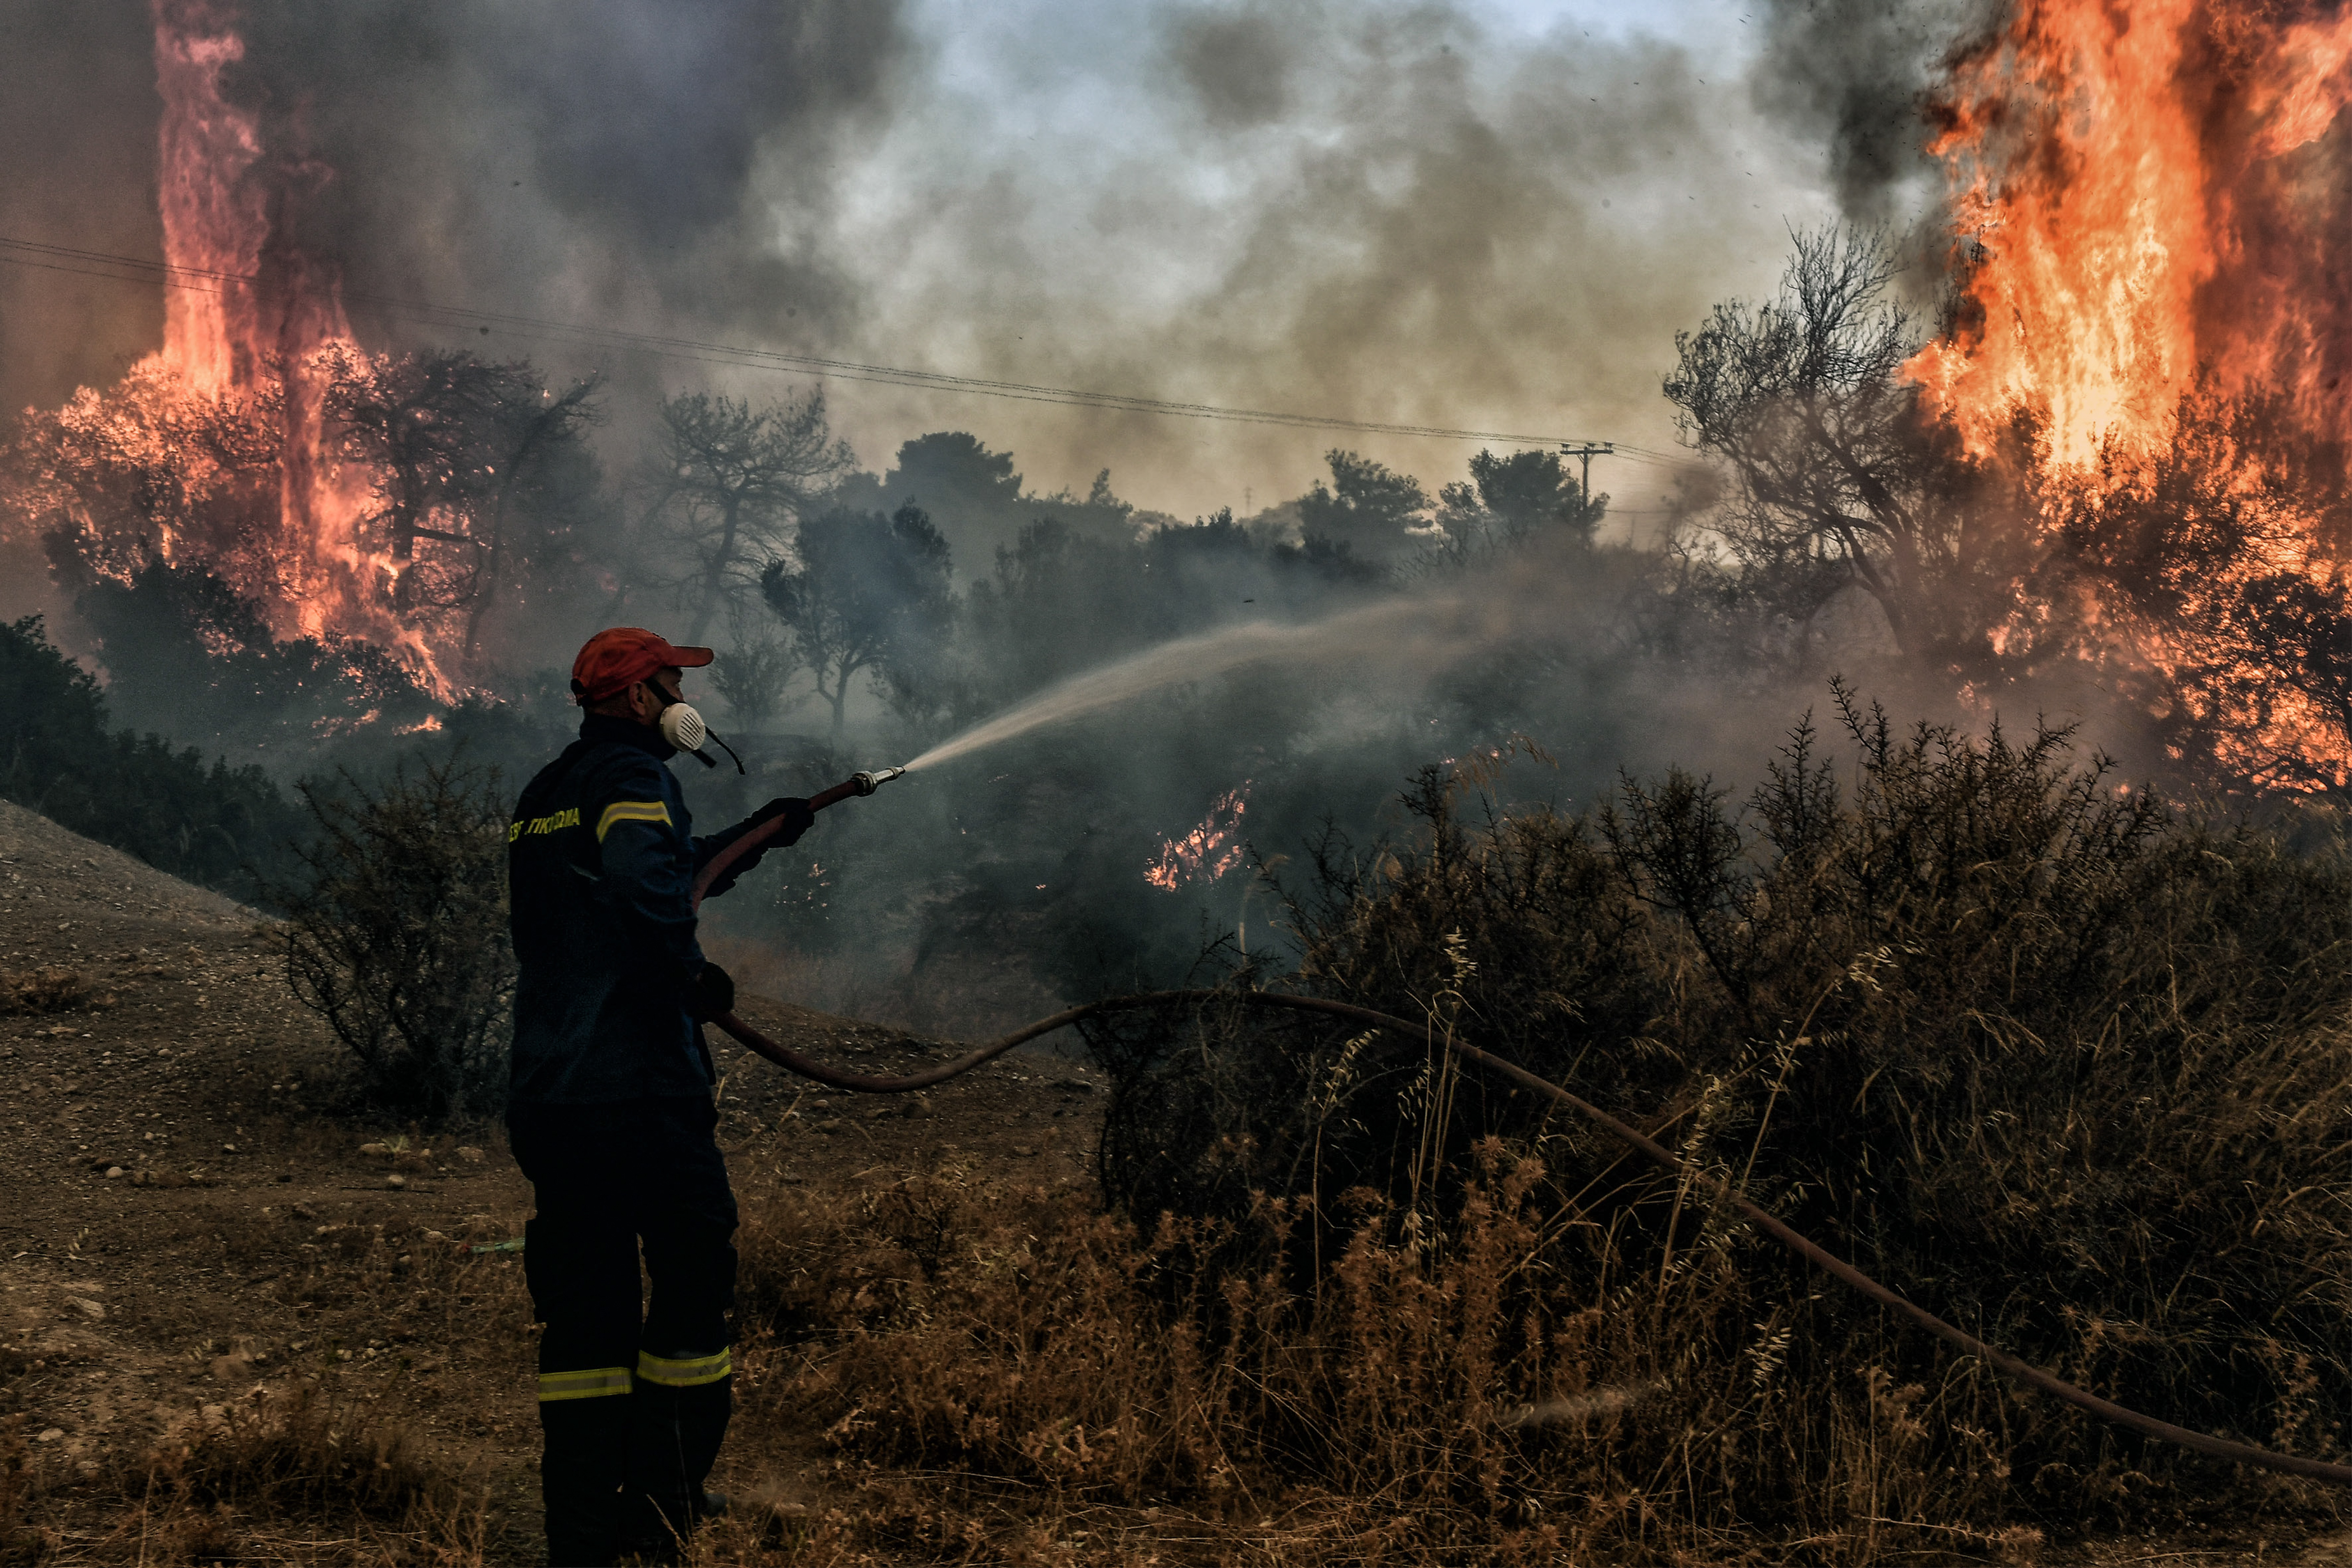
(397, 937)
(227, 827)
(2028, 1045)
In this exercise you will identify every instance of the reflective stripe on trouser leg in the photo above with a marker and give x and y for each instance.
(678, 1415)
(683, 1372)
(597, 1383)
(581, 1267)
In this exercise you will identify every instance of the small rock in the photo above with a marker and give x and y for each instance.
(1022, 1150)
(1074, 1086)
(395, 1180)
(87, 1307)
(375, 1149)
(829, 1126)
(115, 1172)
(304, 1211)
(915, 1106)
(228, 1148)
(51, 1435)
(471, 1155)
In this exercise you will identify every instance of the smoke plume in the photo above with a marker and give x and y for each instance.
(660, 166)
(1851, 74)
(1398, 212)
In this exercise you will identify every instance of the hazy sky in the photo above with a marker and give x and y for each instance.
(1487, 215)
(1464, 213)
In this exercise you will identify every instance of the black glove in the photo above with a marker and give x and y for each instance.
(711, 994)
(798, 819)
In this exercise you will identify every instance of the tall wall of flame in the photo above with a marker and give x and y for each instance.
(2157, 194)
(250, 310)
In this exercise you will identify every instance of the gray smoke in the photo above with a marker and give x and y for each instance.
(1853, 75)
(1388, 210)
(1403, 212)
(77, 117)
(660, 166)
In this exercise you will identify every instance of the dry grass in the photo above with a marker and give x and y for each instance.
(1070, 1389)
(307, 1467)
(2041, 1052)
(295, 1478)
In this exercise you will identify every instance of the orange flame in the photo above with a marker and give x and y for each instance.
(256, 325)
(1209, 851)
(2149, 200)
(2152, 201)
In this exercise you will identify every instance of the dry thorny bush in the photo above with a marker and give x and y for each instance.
(2041, 1051)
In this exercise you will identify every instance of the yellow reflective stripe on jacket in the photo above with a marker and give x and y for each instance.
(630, 811)
(594, 1383)
(686, 1373)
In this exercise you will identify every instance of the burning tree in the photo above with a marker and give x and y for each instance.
(151, 469)
(468, 455)
(2203, 574)
(1839, 476)
(456, 479)
(2151, 209)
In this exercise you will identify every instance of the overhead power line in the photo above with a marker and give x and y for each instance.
(136, 270)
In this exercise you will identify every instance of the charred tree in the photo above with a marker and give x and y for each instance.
(725, 485)
(1839, 475)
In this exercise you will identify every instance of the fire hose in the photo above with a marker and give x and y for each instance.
(1821, 1258)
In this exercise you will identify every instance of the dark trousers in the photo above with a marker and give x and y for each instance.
(631, 1412)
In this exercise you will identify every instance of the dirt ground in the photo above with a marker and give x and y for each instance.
(188, 1227)
(184, 1219)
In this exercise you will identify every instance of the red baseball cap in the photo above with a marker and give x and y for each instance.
(619, 657)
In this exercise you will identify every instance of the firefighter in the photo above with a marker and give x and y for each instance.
(610, 1111)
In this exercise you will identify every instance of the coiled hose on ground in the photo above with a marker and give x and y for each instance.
(2032, 1376)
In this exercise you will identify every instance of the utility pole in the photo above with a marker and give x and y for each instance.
(1588, 451)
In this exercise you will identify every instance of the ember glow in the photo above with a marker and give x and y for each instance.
(1209, 851)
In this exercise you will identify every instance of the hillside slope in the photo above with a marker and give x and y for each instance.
(192, 1221)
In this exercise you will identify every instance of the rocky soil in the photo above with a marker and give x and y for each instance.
(192, 1216)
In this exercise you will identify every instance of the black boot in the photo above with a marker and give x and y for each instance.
(580, 1472)
(674, 1438)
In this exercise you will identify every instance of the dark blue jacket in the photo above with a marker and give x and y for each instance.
(600, 863)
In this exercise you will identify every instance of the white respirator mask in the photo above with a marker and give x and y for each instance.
(683, 728)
